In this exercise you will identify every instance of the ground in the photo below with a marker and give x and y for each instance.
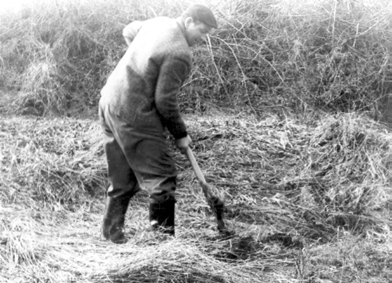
(290, 224)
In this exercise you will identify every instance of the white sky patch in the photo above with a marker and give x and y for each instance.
(10, 5)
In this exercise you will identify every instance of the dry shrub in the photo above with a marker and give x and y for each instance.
(265, 55)
(41, 91)
(58, 54)
(274, 54)
(64, 50)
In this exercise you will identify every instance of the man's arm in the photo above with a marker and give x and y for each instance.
(172, 75)
(130, 31)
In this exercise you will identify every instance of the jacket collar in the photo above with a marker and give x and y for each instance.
(181, 25)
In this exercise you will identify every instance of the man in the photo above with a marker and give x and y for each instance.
(137, 103)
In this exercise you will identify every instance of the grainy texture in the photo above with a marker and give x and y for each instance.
(301, 211)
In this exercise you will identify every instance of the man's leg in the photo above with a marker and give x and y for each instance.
(162, 206)
(149, 159)
(114, 218)
(123, 186)
(156, 173)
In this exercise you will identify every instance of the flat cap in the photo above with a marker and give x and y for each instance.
(201, 13)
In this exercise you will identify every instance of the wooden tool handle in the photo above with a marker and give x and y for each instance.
(195, 166)
(216, 204)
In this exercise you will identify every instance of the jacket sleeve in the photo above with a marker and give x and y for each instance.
(130, 31)
(173, 73)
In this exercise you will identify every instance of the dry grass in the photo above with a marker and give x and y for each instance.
(294, 221)
(266, 55)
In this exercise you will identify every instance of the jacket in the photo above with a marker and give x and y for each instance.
(142, 89)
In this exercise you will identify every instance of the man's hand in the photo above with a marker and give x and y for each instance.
(183, 144)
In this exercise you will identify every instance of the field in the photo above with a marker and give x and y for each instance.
(284, 105)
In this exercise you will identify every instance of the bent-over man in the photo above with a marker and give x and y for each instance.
(137, 103)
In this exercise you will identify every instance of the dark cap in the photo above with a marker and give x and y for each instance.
(201, 13)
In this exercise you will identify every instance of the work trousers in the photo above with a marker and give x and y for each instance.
(136, 159)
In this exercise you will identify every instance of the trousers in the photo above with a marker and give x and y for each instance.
(137, 160)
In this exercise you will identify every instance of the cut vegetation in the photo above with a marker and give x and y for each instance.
(301, 210)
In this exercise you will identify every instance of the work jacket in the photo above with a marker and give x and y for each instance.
(142, 90)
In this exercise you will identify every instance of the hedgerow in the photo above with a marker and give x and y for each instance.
(325, 54)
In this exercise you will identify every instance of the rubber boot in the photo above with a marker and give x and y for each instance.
(162, 216)
(114, 218)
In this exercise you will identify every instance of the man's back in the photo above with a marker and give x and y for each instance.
(142, 89)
